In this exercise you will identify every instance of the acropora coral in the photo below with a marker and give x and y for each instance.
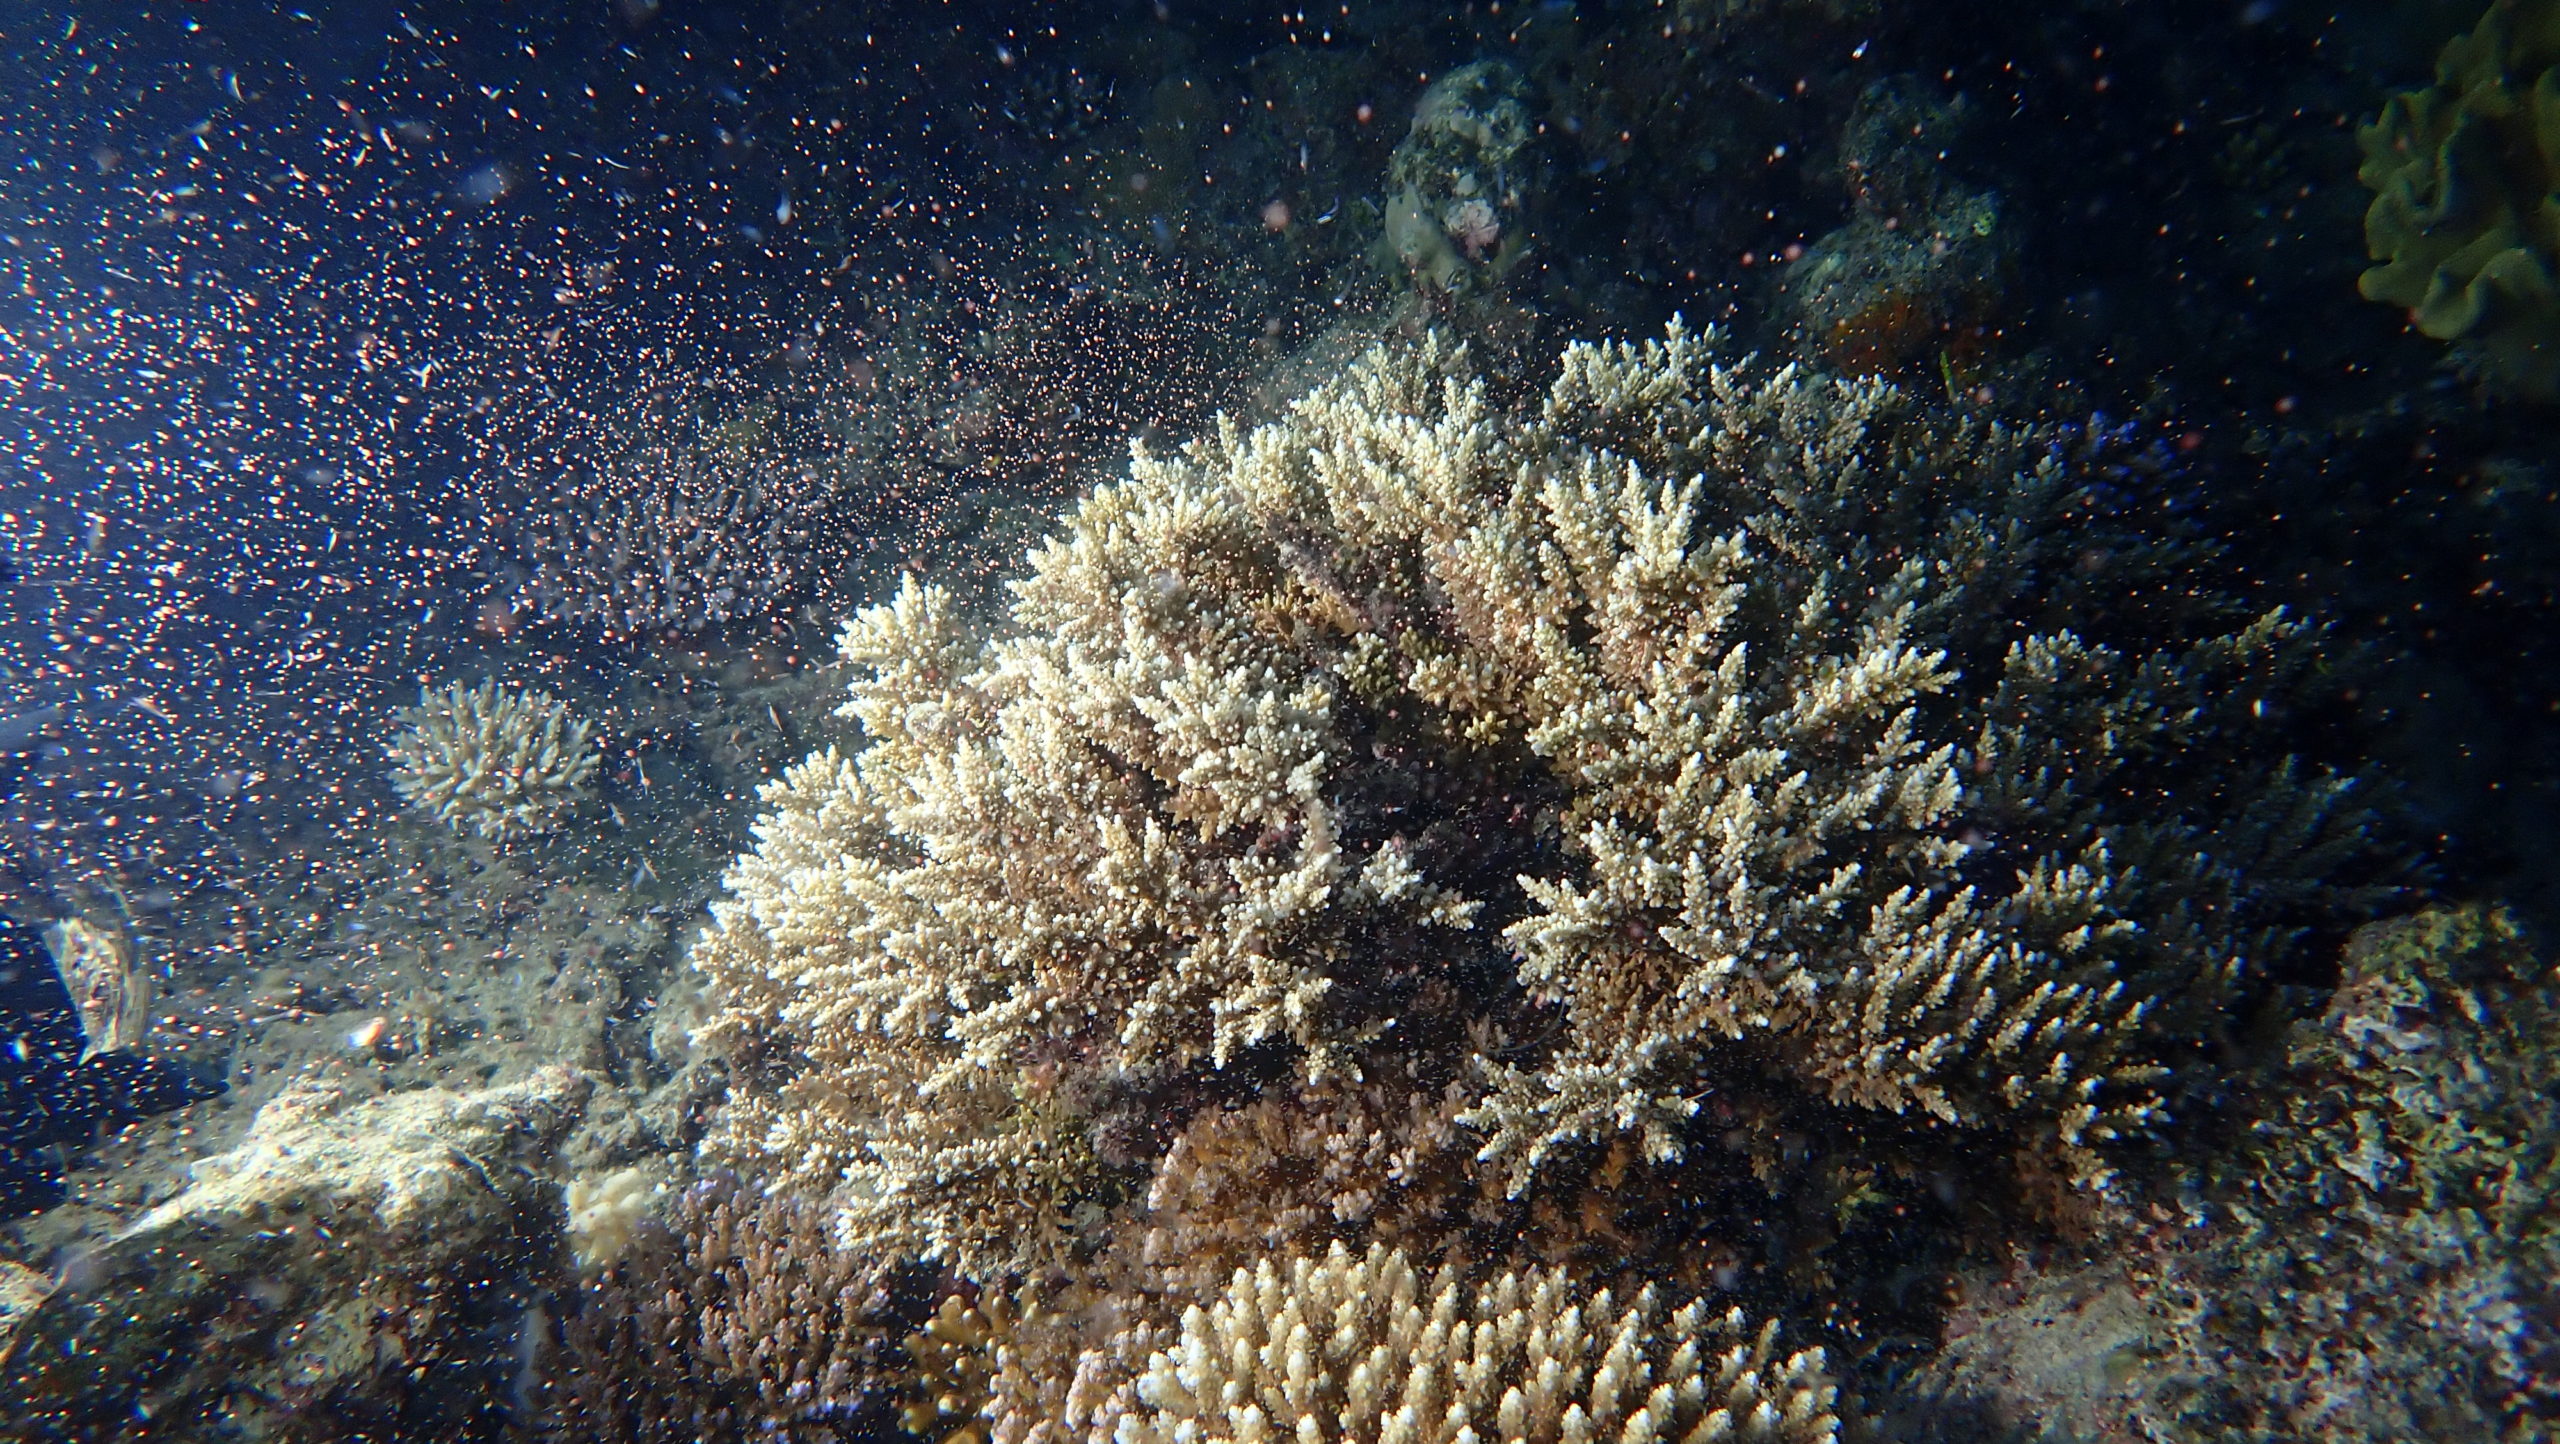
(1370, 1349)
(1415, 824)
(503, 763)
(2465, 221)
(701, 510)
(734, 1319)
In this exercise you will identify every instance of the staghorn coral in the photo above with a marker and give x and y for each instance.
(1292, 1170)
(1706, 734)
(503, 764)
(2465, 221)
(1369, 1349)
(706, 503)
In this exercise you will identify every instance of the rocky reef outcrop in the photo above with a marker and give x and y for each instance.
(354, 1246)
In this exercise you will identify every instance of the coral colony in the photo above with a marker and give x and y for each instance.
(1616, 779)
(2462, 227)
(504, 764)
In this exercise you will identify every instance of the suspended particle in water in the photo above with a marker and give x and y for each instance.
(487, 184)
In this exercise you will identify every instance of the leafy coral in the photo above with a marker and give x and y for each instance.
(2465, 220)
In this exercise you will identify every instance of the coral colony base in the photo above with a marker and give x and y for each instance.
(1416, 825)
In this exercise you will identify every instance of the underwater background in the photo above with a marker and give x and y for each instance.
(1722, 719)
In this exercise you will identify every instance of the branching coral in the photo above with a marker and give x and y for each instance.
(1368, 1349)
(1709, 733)
(1293, 1170)
(703, 505)
(735, 1319)
(503, 764)
(2465, 220)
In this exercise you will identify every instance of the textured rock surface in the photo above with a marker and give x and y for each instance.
(21, 1290)
(2373, 1263)
(354, 1246)
(1462, 184)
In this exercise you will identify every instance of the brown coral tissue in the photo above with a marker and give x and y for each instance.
(736, 1319)
(1709, 757)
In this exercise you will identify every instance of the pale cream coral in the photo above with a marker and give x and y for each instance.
(502, 763)
(608, 1213)
(1367, 1348)
(1697, 728)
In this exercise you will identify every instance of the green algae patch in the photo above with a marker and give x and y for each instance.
(2465, 222)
